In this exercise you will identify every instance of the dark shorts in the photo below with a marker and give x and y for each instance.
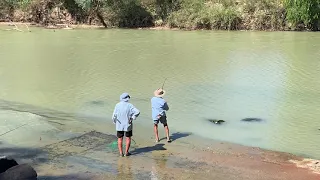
(120, 134)
(163, 121)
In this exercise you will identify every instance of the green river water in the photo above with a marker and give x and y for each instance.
(272, 76)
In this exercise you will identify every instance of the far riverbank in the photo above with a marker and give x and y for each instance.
(261, 15)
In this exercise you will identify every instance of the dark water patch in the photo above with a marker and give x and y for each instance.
(97, 102)
(216, 121)
(252, 120)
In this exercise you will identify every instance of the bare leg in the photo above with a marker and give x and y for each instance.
(167, 132)
(156, 132)
(128, 142)
(120, 146)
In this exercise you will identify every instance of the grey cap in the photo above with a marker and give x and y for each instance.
(125, 97)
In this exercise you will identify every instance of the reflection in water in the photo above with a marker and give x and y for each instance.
(158, 167)
(124, 169)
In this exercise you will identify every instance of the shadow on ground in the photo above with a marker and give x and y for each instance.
(179, 135)
(157, 147)
(176, 136)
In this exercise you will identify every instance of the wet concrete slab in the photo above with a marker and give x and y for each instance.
(76, 152)
(98, 161)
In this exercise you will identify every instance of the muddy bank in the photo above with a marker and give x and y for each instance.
(85, 150)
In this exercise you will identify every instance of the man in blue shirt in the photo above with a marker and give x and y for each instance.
(123, 115)
(159, 108)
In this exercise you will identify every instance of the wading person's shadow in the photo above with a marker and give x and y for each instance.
(157, 147)
(177, 135)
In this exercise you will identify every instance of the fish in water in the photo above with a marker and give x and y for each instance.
(252, 120)
(215, 121)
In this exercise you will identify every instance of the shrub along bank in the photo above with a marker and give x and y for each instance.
(184, 14)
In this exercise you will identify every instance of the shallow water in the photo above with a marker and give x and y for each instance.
(211, 75)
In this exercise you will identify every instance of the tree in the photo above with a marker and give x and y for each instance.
(306, 12)
(94, 7)
(121, 13)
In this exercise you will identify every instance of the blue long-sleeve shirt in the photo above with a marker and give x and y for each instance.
(159, 107)
(123, 114)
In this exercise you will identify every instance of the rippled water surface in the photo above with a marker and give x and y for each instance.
(272, 76)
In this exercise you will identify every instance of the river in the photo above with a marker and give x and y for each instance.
(272, 76)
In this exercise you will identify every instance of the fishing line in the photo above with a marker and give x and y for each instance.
(12, 129)
(164, 82)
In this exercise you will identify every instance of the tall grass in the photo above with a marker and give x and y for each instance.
(229, 15)
(205, 15)
(263, 14)
(303, 13)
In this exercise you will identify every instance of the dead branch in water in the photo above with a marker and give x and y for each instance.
(27, 27)
(16, 28)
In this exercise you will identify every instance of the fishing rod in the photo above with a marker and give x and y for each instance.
(164, 82)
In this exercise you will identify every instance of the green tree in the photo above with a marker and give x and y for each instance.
(7, 7)
(93, 7)
(121, 13)
(306, 12)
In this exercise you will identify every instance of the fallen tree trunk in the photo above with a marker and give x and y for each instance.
(100, 17)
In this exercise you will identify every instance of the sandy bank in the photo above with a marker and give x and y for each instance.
(22, 26)
(25, 25)
(74, 151)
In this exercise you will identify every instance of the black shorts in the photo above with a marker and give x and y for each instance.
(120, 134)
(163, 120)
